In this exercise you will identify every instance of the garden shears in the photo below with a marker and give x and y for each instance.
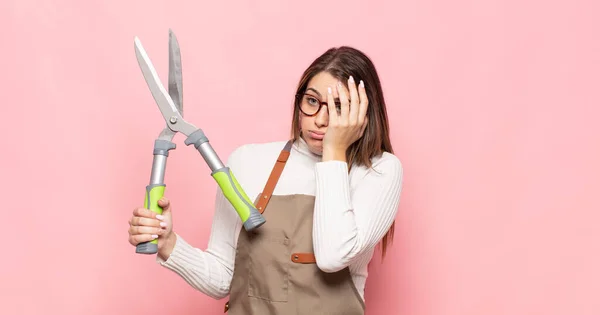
(170, 105)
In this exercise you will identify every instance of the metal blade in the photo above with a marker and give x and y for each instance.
(175, 76)
(163, 100)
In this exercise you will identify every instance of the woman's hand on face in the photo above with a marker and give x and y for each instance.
(348, 125)
(145, 226)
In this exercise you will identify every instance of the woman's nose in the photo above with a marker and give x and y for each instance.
(322, 118)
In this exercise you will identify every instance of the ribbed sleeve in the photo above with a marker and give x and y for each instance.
(348, 223)
(202, 270)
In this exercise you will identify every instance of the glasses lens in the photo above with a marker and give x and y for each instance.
(309, 104)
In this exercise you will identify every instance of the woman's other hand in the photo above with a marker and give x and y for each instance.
(145, 226)
(346, 123)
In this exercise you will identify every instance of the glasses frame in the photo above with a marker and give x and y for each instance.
(300, 96)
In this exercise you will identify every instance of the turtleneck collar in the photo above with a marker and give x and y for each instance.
(301, 147)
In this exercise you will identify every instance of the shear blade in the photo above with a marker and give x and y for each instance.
(175, 76)
(163, 100)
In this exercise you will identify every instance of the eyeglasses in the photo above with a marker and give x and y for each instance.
(310, 105)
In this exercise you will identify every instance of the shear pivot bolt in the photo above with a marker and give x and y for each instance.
(173, 120)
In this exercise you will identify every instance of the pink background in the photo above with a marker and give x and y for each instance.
(494, 113)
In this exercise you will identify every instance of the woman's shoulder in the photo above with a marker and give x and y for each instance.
(256, 151)
(384, 164)
(386, 160)
(252, 162)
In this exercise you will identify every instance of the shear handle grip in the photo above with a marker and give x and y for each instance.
(232, 190)
(153, 195)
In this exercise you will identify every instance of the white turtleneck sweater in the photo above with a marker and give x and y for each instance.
(353, 211)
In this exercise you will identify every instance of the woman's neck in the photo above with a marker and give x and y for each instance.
(301, 147)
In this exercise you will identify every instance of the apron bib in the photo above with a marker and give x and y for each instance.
(275, 270)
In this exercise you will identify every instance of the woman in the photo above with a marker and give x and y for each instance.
(329, 196)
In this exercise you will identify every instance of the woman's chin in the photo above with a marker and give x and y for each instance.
(315, 146)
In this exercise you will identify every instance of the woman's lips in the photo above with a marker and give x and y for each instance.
(316, 135)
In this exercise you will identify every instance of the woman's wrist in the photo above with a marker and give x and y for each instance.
(334, 154)
(166, 248)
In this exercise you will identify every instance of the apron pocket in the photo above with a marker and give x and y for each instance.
(268, 274)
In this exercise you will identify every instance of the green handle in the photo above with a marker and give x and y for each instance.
(238, 199)
(153, 195)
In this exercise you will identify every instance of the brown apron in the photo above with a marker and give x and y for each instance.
(275, 270)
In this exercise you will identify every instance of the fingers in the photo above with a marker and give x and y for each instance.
(141, 221)
(333, 115)
(354, 101)
(165, 204)
(137, 230)
(345, 106)
(364, 103)
(143, 229)
(144, 213)
(141, 234)
(145, 217)
(141, 238)
(146, 225)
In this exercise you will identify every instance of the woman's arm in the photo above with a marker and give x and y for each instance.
(348, 222)
(210, 271)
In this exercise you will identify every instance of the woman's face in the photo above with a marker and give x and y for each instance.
(314, 127)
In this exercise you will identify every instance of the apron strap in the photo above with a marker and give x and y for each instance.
(274, 177)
